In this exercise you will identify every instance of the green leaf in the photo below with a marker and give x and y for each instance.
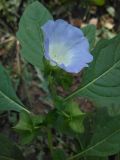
(90, 33)
(9, 150)
(28, 127)
(101, 80)
(26, 137)
(8, 98)
(105, 141)
(38, 120)
(25, 123)
(30, 34)
(59, 154)
(76, 124)
(76, 117)
(73, 109)
(25, 128)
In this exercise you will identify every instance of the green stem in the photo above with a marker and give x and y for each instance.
(65, 114)
(50, 144)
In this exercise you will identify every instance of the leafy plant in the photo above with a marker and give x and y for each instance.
(96, 134)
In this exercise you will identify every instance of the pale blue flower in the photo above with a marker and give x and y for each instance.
(66, 46)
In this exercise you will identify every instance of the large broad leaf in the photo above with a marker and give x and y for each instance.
(9, 150)
(101, 81)
(8, 98)
(30, 34)
(105, 141)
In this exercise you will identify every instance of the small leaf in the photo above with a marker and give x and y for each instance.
(73, 109)
(38, 120)
(25, 123)
(28, 127)
(30, 34)
(90, 33)
(76, 117)
(76, 124)
(9, 150)
(26, 137)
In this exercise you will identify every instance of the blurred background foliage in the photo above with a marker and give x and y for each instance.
(10, 11)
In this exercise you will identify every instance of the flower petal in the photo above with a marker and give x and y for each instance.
(48, 28)
(74, 67)
(66, 46)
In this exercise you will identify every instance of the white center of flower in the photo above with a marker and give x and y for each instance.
(59, 54)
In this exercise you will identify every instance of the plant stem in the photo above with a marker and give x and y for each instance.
(50, 144)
